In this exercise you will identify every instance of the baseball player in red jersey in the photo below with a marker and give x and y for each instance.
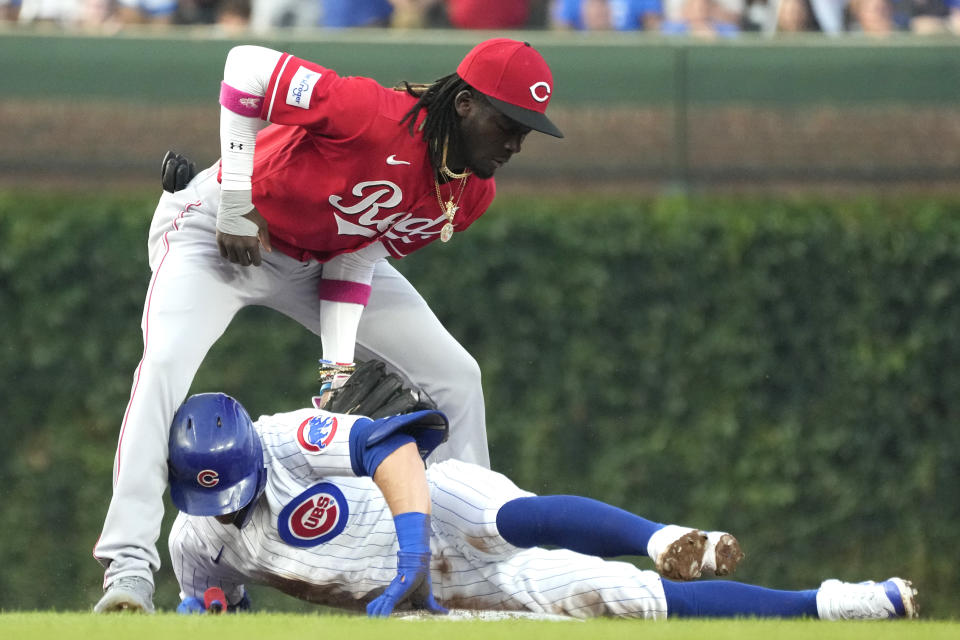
(301, 217)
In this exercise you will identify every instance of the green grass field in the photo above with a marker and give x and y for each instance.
(168, 626)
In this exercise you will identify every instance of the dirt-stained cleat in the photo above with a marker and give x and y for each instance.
(133, 594)
(682, 559)
(893, 598)
(722, 555)
(682, 553)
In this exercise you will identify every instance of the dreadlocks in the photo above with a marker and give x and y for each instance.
(440, 125)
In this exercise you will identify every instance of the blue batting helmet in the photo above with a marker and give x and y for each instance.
(216, 459)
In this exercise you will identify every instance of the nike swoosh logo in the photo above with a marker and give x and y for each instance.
(392, 159)
(217, 559)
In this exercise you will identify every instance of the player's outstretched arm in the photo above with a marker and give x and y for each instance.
(391, 451)
(344, 291)
(403, 482)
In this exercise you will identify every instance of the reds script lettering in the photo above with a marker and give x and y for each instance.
(394, 226)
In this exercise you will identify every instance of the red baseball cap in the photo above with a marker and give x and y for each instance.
(515, 78)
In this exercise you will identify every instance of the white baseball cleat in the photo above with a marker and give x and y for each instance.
(893, 598)
(682, 553)
(134, 594)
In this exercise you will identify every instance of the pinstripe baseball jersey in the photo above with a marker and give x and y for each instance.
(323, 535)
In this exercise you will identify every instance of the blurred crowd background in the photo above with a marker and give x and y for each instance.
(700, 18)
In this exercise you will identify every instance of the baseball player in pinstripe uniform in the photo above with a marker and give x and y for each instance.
(300, 217)
(289, 502)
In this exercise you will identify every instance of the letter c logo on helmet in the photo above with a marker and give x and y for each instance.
(215, 463)
(208, 478)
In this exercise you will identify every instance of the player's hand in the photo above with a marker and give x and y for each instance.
(321, 401)
(214, 602)
(190, 606)
(245, 250)
(333, 376)
(412, 585)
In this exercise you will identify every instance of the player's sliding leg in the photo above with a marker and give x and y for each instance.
(586, 586)
(834, 600)
(595, 528)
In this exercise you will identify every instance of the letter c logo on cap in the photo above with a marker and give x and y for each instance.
(535, 91)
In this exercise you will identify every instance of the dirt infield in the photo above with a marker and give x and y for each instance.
(100, 144)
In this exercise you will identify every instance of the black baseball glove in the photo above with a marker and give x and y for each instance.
(371, 391)
(176, 171)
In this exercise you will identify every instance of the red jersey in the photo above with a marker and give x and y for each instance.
(337, 171)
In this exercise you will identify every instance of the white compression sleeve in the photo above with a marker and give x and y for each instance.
(338, 329)
(339, 320)
(247, 70)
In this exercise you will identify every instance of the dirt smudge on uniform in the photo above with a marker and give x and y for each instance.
(330, 595)
(443, 566)
(480, 544)
(589, 601)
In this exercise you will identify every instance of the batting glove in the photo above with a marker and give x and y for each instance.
(411, 584)
(190, 606)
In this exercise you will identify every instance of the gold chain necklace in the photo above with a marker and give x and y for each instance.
(445, 170)
(449, 208)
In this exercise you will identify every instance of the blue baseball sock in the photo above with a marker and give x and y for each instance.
(725, 599)
(576, 523)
